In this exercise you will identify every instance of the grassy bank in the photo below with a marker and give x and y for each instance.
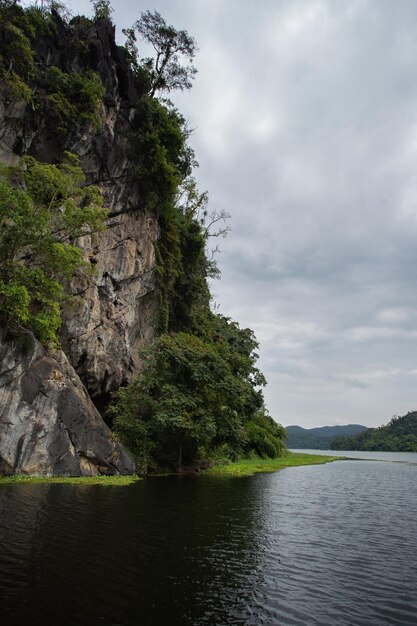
(248, 467)
(105, 481)
(244, 467)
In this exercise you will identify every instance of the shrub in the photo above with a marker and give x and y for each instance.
(42, 209)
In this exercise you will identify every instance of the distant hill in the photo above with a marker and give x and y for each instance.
(400, 435)
(321, 437)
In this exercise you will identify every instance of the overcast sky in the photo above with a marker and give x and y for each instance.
(305, 117)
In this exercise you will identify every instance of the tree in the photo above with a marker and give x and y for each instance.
(43, 208)
(213, 224)
(171, 46)
(54, 7)
(195, 396)
(399, 434)
(102, 8)
(173, 402)
(266, 437)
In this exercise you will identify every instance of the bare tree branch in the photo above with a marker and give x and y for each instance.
(216, 217)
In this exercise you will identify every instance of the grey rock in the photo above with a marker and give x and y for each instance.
(113, 313)
(48, 424)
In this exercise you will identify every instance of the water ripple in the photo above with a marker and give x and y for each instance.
(321, 545)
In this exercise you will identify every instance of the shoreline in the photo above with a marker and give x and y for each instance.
(104, 481)
(243, 467)
(250, 467)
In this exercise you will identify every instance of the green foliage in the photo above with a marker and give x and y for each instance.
(198, 396)
(182, 271)
(400, 435)
(130, 52)
(163, 162)
(73, 97)
(171, 403)
(102, 8)
(193, 398)
(160, 153)
(183, 264)
(266, 437)
(190, 295)
(42, 209)
(168, 259)
(18, 30)
(254, 465)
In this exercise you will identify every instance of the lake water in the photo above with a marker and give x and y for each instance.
(334, 544)
(395, 457)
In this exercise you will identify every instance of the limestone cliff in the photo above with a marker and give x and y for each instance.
(48, 423)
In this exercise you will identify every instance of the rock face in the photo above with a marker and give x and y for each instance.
(115, 310)
(112, 316)
(48, 423)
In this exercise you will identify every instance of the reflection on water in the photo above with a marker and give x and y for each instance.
(370, 455)
(333, 544)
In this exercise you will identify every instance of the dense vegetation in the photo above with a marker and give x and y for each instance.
(42, 209)
(400, 435)
(199, 395)
(254, 465)
(196, 400)
(319, 438)
(72, 97)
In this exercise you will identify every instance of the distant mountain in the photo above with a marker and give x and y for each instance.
(319, 438)
(400, 435)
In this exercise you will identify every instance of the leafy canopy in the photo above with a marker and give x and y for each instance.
(160, 152)
(172, 67)
(400, 435)
(43, 208)
(102, 8)
(195, 396)
(199, 394)
(69, 97)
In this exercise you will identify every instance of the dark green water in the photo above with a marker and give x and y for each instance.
(333, 544)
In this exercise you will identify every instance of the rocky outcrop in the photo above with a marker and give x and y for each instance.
(114, 311)
(48, 424)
